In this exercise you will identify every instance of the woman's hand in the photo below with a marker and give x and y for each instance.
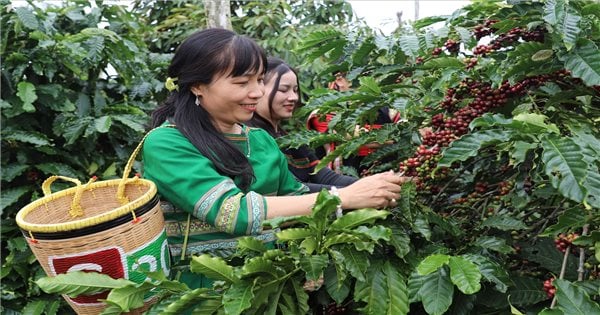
(375, 191)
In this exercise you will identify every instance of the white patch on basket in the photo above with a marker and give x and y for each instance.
(86, 267)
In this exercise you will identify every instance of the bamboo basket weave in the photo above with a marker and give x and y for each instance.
(113, 227)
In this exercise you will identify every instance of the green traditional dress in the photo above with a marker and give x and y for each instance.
(190, 183)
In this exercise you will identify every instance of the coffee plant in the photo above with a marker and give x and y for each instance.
(500, 110)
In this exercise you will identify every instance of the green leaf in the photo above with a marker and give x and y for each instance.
(27, 17)
(358, 217)
(314, 265)
(238, 297)
(436, 292)
(491, 271)
(469, 145)
(251, 243)
(130, 297)
(35, 307)
(79, 282)
(372, 291)
(465, 275)
(526, 291)
(309, 244)
(103, 124)
(569, 219)
(11, 195)
(421, 225)
(294, 234)
(409, 45)
(370, 86)
(432, 263)
(374, 233)
(504, 223)
(336, 288)
(564, 164)
(32, 137)
(26, 92)
(258, 265)
(213, 267)
(10, 171)
(584, 63)
(554, 11)
(542, 55)
(401, 242)
(520, 149)
(356, 262)
(396, 289)
(536, 120)
(493, 243)
(573, 300)
(301, 300)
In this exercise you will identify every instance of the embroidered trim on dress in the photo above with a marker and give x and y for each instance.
(256, 205)
(207, 201)
(228, 214)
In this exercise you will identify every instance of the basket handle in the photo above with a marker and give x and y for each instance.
(121, 188)
(75, 209)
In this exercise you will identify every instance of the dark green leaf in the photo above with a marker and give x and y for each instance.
(372, 291)
(572, 300)
(464, 274)
(432, 263)
(213, 267)
(564, 164)
(469, 145)
(79, 282)
(314, 265)
(584, 63)
(436, 292)
(397, 292)
(504, 223)
(238, 297)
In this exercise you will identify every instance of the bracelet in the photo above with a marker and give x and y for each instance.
(338, 211)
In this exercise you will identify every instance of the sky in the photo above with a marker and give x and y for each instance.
(382, 14)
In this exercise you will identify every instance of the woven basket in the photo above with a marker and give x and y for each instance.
(114, 227)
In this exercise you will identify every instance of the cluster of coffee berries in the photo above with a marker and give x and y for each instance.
(509, 38)
(419, 60)
(452, 46)
(481, 187)
(563, 241)
(334, 309)
(471, 63)
(436, 51)
(549, 288)
(504, 187)
(455, 122)
(484, 29)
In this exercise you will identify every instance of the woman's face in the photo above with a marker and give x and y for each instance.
(284, 101)
(231, 100)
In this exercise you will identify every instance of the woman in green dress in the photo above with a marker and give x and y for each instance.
(221, 178)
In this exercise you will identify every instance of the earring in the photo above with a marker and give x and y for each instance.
(197, 102)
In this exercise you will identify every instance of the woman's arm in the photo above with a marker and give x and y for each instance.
(376, 191)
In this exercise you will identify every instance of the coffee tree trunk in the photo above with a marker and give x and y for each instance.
(218, 14)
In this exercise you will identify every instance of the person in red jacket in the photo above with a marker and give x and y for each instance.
(319, 123)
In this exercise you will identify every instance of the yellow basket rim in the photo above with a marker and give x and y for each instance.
(91, 221)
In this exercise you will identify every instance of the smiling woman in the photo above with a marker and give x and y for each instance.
(221, 178)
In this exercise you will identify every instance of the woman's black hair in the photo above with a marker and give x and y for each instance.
(198, 60)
